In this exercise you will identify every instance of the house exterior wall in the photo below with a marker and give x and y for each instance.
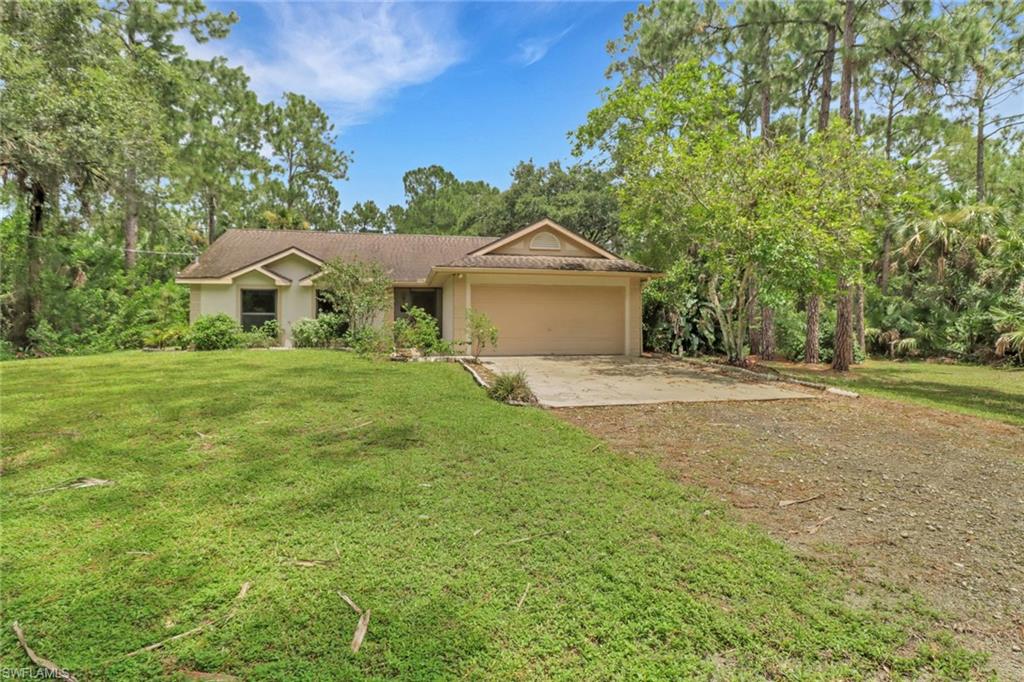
(294, 301)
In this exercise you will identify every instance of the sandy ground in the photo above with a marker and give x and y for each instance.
(891, 494)
(576, 381)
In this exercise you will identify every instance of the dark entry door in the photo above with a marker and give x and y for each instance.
(429, 299)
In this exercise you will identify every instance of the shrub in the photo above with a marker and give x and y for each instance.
(48, 341)
(370, 341)
(264, 336)
(482, 332)
(215, 332)
(418, 329)
(165, 337)
(359, 291)
(320, 332)
(511, 387)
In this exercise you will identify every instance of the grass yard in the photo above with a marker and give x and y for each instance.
(971, 389)
(488, 541)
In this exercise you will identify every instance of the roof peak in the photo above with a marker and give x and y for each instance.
(367, 234)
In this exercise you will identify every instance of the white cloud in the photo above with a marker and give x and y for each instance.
(348, 57)
(532, 50)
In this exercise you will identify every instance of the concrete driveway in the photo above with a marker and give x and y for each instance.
(584, 381)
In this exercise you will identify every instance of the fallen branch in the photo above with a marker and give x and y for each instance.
(790, 503)
(348, 600)
(357, 638)
(519, 604)
(199, 628)
(364, 622)
(50, 666)
(83, 482)
(358, 426)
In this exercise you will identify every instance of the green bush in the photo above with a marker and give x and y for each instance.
(482, 332)
(150, 316)
(166, 337)
(320, 332)
(370, 341)
(418, 329)
(215, 332)
(264, 336)
(511, 387)
(46, 340)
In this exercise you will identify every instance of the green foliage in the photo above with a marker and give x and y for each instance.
(676, 318)
(418, 329)
(322, 332)
(436, 202)
(371, 341)
(511, 387)
(305, 164)
(264, 336)
(482, 332)
(365, 216)
(360, 291)
(215, 332)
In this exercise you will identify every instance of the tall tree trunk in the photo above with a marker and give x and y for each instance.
(767, 333)
(858, 117)
(811, 338)
(842, 342)
(27, 303)
(858, 315)
(813, 323)
(842, 354)
(130, 222)
(979, 171)
(883, 278)
(827, 65)
(846, 88)
(752, 323)
(211, 218)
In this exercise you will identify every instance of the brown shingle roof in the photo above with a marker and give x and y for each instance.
(408, 257)
(548, 263)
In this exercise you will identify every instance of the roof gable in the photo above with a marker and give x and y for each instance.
(545, 238)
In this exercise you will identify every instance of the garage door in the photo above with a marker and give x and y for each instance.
(554, 320)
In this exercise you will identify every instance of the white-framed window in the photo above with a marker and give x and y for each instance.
(258, 306)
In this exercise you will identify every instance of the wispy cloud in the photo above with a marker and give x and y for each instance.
(348, 57)
(532, 50)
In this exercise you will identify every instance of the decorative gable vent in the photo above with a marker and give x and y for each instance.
(545, 241)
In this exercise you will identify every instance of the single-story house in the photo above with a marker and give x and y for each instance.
(546, 289)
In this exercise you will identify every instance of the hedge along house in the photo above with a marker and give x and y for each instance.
(548, 291)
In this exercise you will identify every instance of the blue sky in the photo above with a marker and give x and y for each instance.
(474, 87)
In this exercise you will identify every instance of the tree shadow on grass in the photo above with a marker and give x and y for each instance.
(1002, 405)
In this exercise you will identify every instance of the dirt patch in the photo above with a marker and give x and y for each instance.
(893, 494)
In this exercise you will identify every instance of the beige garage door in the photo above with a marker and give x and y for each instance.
(554, 320)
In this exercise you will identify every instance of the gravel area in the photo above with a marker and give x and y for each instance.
(899, 496)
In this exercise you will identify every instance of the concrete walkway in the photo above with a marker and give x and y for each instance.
(584, 381)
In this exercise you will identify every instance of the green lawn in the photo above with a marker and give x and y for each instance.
(971, 389)
(425, 502)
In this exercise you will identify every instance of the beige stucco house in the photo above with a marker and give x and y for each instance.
(549, 291)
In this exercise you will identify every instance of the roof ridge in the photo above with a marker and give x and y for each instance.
(367, 234)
